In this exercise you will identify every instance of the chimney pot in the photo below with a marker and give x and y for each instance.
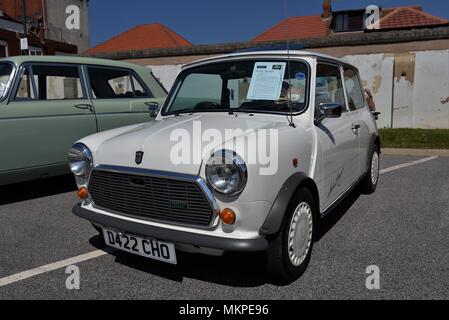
(327, 11)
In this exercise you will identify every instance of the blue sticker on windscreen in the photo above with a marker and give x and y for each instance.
(300, 76)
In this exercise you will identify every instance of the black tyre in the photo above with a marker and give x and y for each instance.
(100, 235)
(369, 183)
(290, 250)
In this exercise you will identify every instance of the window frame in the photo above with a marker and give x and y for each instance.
(38, 51)
(133, 74)
(339, 66)
(360, 84)
(11, 81)
(4, 43)
(30, 64)
(181, 77)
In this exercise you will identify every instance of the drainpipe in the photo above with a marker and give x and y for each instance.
(24, 22)
(44, 18)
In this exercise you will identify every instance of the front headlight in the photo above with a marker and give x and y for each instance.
(226, 172)
(80, 160)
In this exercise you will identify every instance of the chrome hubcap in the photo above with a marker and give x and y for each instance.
(300, 234)
(375, 168)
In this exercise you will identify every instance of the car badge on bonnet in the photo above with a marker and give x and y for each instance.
(139, 157)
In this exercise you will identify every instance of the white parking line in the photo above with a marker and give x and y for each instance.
(98, 253)
(53, 266)
(407, 164)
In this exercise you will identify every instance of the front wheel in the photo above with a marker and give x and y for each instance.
(290, 251)
(369, 182)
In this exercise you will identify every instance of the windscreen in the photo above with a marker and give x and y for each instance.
(247, 86)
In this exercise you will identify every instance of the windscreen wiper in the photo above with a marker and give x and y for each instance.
(178, 112)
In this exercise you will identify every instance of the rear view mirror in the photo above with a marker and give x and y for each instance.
(331, 110)
(153, 109)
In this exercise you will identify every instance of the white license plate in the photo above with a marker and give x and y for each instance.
(149, 248)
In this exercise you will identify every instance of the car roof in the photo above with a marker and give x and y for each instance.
(255, 54)
(17, 60)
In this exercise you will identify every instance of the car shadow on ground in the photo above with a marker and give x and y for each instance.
(232, 269)
(36, 189)
(332, 218)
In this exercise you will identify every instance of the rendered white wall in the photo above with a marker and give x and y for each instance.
(420, 103)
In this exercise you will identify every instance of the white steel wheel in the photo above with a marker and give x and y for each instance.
(374, 168)
(300, 234)
(290, 249)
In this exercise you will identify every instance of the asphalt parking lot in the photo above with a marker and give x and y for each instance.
(403, 229)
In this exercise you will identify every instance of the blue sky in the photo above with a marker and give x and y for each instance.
(212, 21)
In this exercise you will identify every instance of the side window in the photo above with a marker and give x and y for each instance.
(329, 86)
(55, 82)
(354, 90)
(25, 89)
(114, 84)
(139, 90)
(122, 85)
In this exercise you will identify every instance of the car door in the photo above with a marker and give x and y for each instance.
(119, 97)
(337, 142)
(359, 115)
(48, 110)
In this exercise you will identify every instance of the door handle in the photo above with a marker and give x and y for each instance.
(84, 106)
(355, 127)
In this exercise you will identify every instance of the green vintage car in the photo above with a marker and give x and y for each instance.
(48, 102)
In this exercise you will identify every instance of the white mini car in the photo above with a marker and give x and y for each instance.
(248, 152)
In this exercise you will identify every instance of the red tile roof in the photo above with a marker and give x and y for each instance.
(295, 28)
(316, 27)
(385, 11)
(145, 36)
(407, 17)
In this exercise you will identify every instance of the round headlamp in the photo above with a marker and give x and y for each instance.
(226, 172)
(80, 160)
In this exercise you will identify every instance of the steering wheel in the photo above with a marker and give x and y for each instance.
(207, 105)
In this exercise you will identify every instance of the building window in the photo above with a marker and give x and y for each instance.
(3, 49)
(342, 22)
(35, 51)
(348, 21)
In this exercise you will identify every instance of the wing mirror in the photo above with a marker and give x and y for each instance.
(153, 109)
(376, 115)
(331, 110)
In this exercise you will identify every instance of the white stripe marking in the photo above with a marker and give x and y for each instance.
(407, 164)
(98, 253)
(53, 266)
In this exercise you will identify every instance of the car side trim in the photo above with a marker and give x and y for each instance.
(176, 236)
(275, 217)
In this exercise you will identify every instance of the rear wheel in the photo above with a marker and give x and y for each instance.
(290, 251)
(369, 182)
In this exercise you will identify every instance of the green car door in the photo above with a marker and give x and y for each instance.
(48, 109)
(120, 97)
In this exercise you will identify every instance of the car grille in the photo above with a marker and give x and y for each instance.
(151, 198)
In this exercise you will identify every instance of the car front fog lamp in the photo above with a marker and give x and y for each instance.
(226, 172)
(80, 160)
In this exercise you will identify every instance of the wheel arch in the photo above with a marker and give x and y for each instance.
(275, 217)
(375, 141)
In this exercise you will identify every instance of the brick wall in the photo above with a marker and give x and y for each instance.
(13, 8)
